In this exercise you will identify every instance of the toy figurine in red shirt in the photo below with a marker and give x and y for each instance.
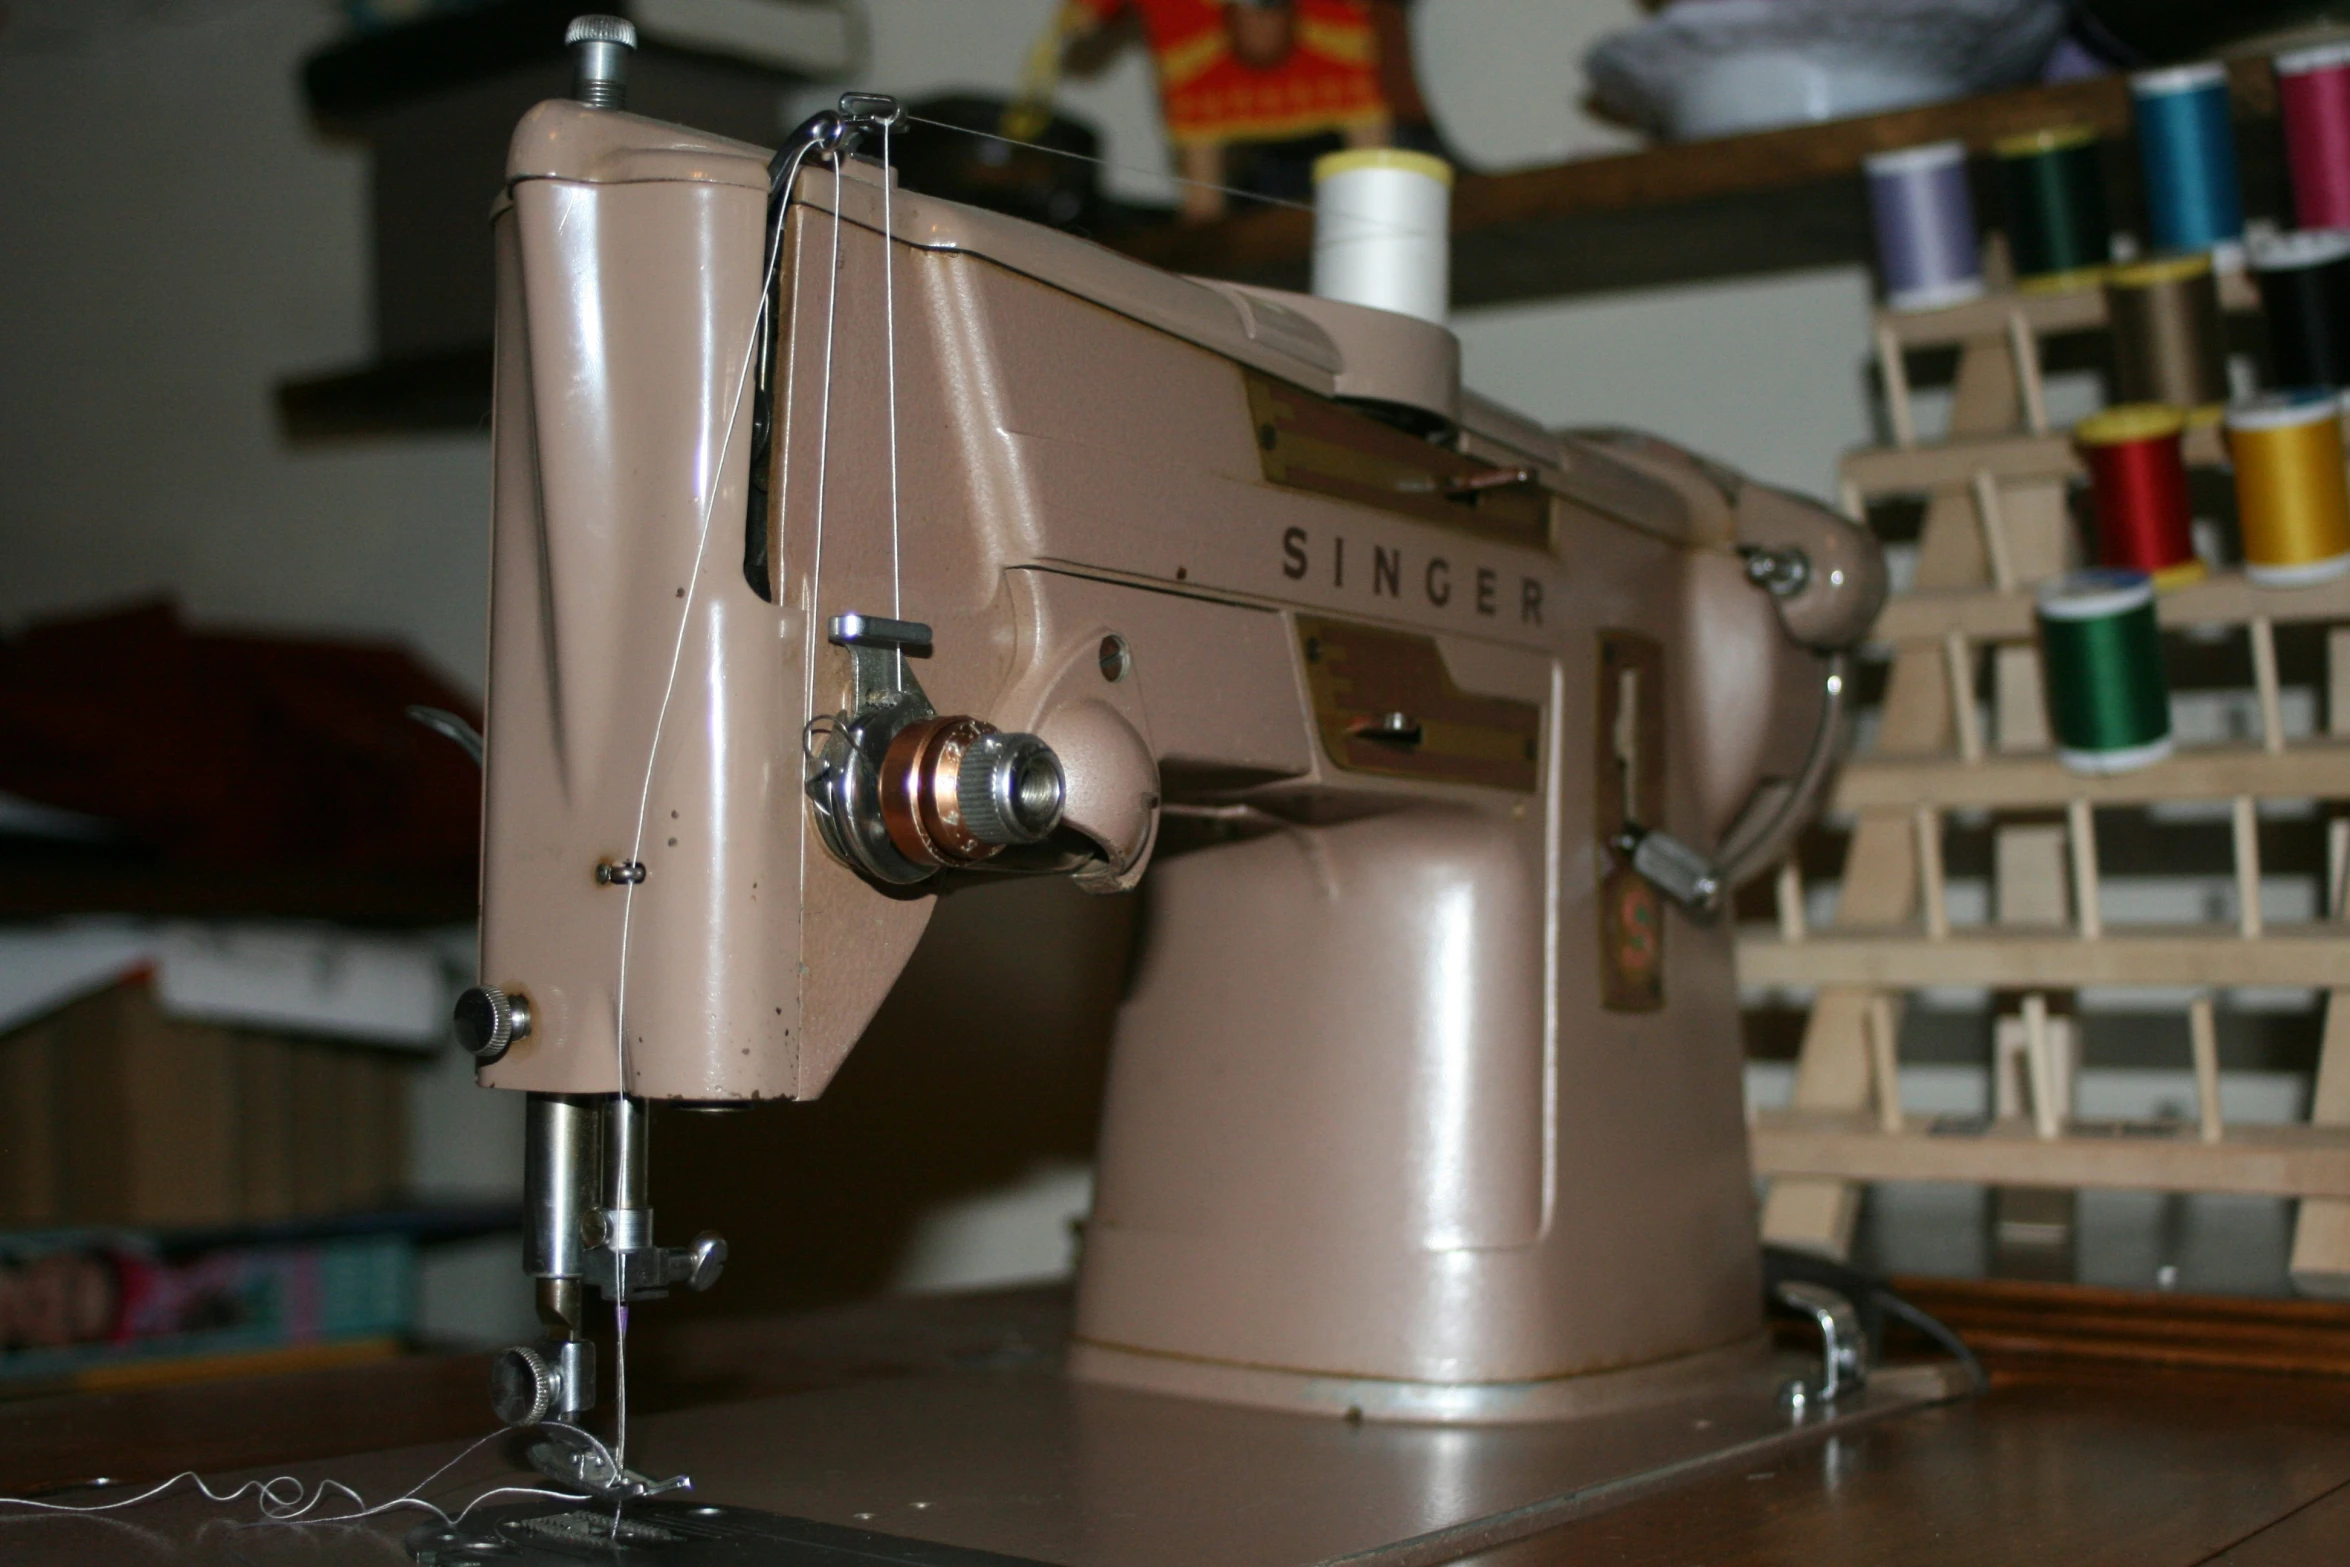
(1251, 71)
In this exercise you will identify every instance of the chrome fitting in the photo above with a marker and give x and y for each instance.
(600, 46)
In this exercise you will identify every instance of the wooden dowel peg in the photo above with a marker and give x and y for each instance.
(1856, 505)
(2040, 1060)
(2026, 349)
(1885, 1062)
(1790, 897)
(2247, 822)
(2337, 867)
(1895, 370)
(1993, 519)
(1931, 890)
(2338, 680)
(1958, 657)
(2264, 681)
(2203, 1036)
(2081, 831)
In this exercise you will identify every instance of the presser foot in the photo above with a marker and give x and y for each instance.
(578, 1458)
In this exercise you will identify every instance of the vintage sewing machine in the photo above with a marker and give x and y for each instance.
(852, 545)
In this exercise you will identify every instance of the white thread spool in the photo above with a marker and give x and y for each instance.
(1383, 230)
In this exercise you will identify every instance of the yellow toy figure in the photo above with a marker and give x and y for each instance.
(1235, 71)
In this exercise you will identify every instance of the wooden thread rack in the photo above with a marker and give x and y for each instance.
(1997, 523)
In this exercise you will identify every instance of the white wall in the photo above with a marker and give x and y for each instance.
(173, 239)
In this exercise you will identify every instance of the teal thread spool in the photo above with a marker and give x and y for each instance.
(2101, 655)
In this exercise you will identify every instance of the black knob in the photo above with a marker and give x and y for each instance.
(488, 1021)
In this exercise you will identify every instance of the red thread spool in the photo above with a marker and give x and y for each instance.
(2313, 99)
(2138, 477)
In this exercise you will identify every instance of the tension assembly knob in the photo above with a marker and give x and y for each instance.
(1010, 788)
(955, 791)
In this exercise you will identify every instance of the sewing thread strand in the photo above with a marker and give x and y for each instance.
(284, 1499)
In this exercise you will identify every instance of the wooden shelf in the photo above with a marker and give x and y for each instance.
(2223, 599)
(2313, 769)
(2266, 1161)
(2044, 315)
(445, 393)
(1941, 465)
(1737, 206)
(2009, 958)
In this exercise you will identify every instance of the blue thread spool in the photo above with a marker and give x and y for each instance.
(2187, 148)
(1925, 222)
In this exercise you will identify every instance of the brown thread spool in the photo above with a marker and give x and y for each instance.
(2168, 343)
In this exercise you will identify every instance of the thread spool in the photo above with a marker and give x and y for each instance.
(2292, 502)
(2187, 148)
(1383, 230)
(2108, 699)
(2169, 345)
(2304, 281)
(2138, 483)
(2058, 233)
(1925, 222)
(2313, 100)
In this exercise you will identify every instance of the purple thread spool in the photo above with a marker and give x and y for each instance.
(1925, 223)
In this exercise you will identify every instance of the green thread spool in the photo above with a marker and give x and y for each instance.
(2058, 234)
(2101, 653)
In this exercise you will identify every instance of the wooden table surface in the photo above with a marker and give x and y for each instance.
(2076, 1458)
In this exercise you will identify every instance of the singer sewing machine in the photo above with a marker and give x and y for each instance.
(852, 546)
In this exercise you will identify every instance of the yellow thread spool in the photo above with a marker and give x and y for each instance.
(2292, 499)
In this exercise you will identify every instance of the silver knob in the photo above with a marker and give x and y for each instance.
(1010, 788)
(1781, 573)
(600, 47)
(706, 1259)
(524, 1386)
(488, 1021)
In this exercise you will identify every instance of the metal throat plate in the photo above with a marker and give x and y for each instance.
(1015, 1465)
(673, 1534)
